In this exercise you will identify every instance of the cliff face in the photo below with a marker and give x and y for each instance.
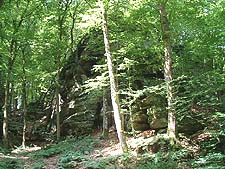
(80, 111)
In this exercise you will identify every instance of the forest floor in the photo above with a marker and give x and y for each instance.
(105, 148)
(52, 156)
(94, 152)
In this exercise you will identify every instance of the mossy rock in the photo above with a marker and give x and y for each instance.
(158, 123)
(140, 127)
(189, 125)
(140, 118)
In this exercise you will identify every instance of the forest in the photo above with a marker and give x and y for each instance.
(112, 84)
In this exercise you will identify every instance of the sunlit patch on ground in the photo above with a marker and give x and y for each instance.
(26, 150)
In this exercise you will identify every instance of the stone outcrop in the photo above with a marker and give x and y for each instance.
(81, 111)
(149, 113)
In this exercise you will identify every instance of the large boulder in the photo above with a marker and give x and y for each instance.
(140, 122)
(158, 123)
(157, 116)
(189, 125)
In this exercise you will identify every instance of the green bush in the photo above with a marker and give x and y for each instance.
(11, 163)
(160, 160)
(48, 152)
(71, 159)
(102, 163)
(210, 161)
(38, 165)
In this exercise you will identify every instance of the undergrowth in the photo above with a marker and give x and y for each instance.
(11, 163)
(83, 153)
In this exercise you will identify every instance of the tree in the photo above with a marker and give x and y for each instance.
(113, 84)
(11, 60)
(24, 98)
(105, 112)
(15, 15)
(168, 70)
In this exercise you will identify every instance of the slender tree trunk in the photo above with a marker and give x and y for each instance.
(11, 60)
(24, 114)
(15, 100)
(129, 100)
(58, 111)
(5, 112)
(61, 19)
(105, 128)
(113, 87)
(168, 71)
(11, 98)
(15, 103)
(24, 93)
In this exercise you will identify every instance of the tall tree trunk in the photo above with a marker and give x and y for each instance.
(129, 101)
(58, 109)
(11, 98)
(168, 71)
(11, 60)
(10, 63)
(5, 112)
(61, 19)
(24, 94)
(15, 103)
(105, 126)
(113, 87)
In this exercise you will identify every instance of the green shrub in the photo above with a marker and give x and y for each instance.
(161, 161)
(48, 152)
(210, 161)
(11, 163)
(71, 159)
(102, 163)
(38, 165)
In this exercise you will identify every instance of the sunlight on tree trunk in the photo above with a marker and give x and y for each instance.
(24, 102)
(167, 71)
(113, 87)
(5, 113)
(58, 111)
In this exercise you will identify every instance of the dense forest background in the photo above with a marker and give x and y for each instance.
(153, 70)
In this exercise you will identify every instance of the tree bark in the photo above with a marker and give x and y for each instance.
(24, 93)
(113, 87)
(58, 111)
(61, 19)
(168, 70)
(105, 127)
(5, 112)
(11, 60)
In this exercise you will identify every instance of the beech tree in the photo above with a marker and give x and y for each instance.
(105, 116)
(113, 84)
(62, 12)
(24, 99)
(168, 69)
(12, 51)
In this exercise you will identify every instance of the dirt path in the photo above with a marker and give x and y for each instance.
(51, 163)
